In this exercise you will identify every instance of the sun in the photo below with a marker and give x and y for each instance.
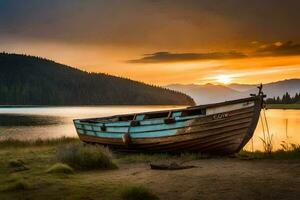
(224, 79)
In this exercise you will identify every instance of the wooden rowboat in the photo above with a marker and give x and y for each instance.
(222, 128)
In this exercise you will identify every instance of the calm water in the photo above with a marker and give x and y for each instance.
(284, 126)
(52, 122)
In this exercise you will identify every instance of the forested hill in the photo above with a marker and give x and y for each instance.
(28, 80)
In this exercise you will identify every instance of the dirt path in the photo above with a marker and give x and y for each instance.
(213, 179)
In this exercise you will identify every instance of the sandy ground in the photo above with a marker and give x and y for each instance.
(213, 179)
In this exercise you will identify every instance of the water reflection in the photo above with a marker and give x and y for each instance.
(28, 120)
(284, 126)
(52, 122)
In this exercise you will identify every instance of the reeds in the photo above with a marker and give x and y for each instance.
(267, 139)
(267, 144)
(288, 151)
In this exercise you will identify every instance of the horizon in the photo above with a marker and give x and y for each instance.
(187, 84)
(234, 83)
(165, 45)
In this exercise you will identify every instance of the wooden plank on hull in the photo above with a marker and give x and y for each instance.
(196, 141)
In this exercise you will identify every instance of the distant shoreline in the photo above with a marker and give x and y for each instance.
(46, 106)
(283, 106)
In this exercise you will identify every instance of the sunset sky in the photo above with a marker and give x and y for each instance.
(160, 41)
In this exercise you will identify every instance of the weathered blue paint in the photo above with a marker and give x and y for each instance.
(132, 135)
(127, 123)
(147, 129)
(80, 131)
(117, 129)
(135, 135)
(91, 133)
(109, 135)
(154, 134)
(87, 127)
(140, 117)
(152, 121)
(157, 127)
(78, 125)
(136, 129)
(96, 128)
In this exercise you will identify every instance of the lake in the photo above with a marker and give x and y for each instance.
(27, 123)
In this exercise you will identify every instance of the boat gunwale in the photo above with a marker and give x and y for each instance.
(252, 98)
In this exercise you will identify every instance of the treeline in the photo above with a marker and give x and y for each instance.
(285, 99)
(28, 80)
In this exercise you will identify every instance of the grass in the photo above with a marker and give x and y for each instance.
(137, 193)
(42, 157)
(16, 163)
(267, 143)
(35, 143)
(60, 168)
(292, 152)
(36, 183)
(85, 157)
(15, 185)
(43, 181)
(283, 106)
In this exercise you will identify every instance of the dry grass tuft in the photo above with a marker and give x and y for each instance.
(85, 157)
(60, 168)
(14, 143)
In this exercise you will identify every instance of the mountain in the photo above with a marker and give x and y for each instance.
(28, 80)
(241, 87)
(275, 89)
(209, 93)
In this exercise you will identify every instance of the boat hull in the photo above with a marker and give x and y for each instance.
(224, 129)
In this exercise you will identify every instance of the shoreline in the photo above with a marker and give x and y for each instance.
(283, 106)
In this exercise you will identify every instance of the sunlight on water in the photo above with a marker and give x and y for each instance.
(284, 126)
(52, 122)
